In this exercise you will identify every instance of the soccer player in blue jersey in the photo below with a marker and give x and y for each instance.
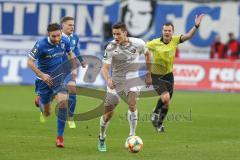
(48, 53)
(67, 31)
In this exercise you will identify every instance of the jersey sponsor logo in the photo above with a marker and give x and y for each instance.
(51, 49)
(59, 54)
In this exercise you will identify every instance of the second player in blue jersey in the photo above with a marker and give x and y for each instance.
(68, 32)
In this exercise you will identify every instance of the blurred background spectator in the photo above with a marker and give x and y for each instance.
(217, 49)
(232, 48)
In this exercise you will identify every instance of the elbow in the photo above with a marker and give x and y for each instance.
(29, 63)
(103, 71)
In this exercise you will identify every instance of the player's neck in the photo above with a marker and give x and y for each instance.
(166, 41)
(67, 34)
(125, 42)
(50, 42)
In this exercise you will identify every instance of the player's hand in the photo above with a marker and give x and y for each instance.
(148, 79)
(198, 19)
(47, 79)
(83, 64)
(74, 74)
(110, 83)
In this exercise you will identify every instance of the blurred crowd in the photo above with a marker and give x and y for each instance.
(229, 50)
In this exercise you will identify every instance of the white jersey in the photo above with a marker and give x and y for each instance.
(123, 59)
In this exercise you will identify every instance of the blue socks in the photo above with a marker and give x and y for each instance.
(40, 106)
(62, 117)
(72, 104)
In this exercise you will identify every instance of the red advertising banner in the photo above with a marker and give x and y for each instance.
(214, 75)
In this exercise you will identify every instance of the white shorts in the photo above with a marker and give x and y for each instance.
(113, 95)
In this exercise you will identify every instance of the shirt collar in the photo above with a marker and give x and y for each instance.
(161, 39)
(49, 41)
(63, 34)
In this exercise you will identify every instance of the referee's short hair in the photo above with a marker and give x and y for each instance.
(169, 24)
(53, 27)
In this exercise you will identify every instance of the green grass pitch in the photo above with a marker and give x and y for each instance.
(200, 126)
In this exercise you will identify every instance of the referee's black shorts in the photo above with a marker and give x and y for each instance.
(163, 83)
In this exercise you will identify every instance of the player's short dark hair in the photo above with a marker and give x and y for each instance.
(66, 18)
(169, 24)
(120, 25)
(53, 27)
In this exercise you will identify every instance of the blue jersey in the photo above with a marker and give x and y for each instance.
(74, 40)
(49, 56)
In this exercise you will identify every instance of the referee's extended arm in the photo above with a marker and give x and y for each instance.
(190, 34)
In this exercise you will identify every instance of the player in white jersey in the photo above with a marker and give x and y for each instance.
(122, 55)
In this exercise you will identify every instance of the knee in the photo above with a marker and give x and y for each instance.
(46, 113)
(166, 98)
(63, 104)
(111, 101)
(108, 116)
(132, 105)
(132, 108)
(72, 89)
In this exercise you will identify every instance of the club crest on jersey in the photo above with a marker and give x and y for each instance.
(74, 41)
(62, 45)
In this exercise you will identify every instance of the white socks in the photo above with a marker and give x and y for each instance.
(103, 128)
(132, 119)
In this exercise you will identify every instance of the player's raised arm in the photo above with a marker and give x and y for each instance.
(190, 34)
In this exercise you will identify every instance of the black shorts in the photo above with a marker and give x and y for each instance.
(163, 83)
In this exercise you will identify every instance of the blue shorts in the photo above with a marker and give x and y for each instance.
(68, 78)
(45, 92)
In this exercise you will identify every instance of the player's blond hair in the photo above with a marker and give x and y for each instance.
(66, 18)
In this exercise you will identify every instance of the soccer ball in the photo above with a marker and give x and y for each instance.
(134, 144)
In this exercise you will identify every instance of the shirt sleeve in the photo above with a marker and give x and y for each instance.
(143, 47)
(76, 48)
(150, 45)
(107, 57)
(176, 39)
(68, 47)
(34, 52)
